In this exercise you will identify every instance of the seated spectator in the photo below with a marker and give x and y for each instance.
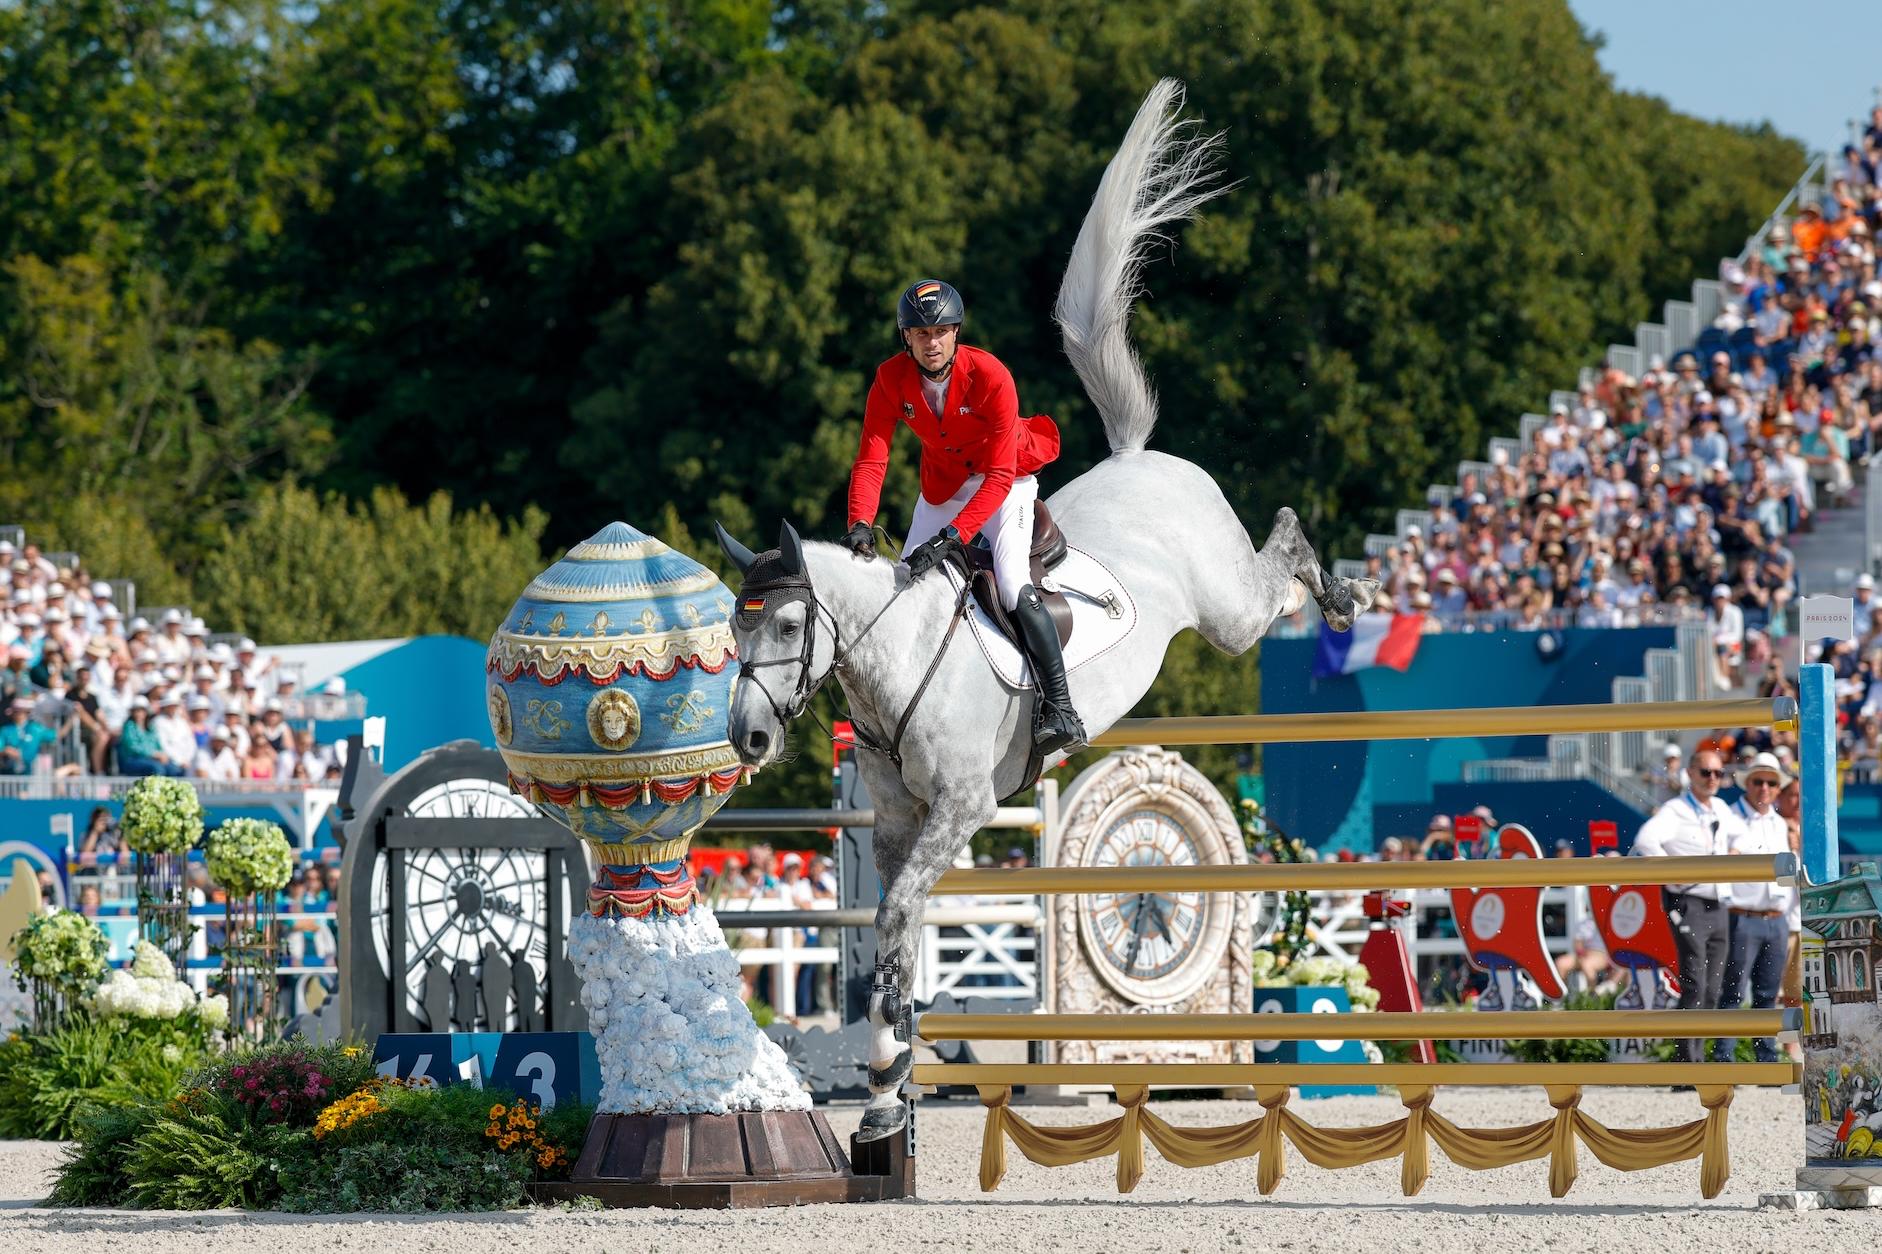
(22, 738)
(140, 750)
(1727, 622)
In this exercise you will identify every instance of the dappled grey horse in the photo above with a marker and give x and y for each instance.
(808, 611)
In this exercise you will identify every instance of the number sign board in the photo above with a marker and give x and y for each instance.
(541, 1067)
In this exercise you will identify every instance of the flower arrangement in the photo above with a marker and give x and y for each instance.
(281, 1086)
(162, 815)
(59, 958)
(517, 1126)
(1289, 934)
(1270, 972)
(249, 856)
(149, 989)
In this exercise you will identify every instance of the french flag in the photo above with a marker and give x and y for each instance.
(1375, 640)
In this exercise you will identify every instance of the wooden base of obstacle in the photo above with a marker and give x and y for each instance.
(1409, 1139)
(718, 1162)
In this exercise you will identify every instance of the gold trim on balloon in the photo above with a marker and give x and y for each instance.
(640, 854)
(619, 768)
(498, 702)
(663, 651)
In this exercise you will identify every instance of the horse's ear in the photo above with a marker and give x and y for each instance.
(736, 553)
(790, 549)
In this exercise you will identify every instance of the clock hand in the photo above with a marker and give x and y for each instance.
(1137, 933)
(1162, 920)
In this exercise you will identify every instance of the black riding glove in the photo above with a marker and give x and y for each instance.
(926, 557)
(861, 540)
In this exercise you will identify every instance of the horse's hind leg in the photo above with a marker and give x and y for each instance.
(1340, 600)
(908, 873)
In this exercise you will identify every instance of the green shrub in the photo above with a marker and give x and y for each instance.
(47, 1078)
(1575, 1049)
(281, 1071)
(201, 1152)
(403, 1177)
(95, 1170)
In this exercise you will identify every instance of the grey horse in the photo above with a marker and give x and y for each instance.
(808, 611)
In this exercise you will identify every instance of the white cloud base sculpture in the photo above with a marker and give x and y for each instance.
(665, 1004)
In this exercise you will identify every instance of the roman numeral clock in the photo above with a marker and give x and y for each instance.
(1148, 952)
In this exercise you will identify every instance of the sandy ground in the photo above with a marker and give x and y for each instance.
(1078, 1208)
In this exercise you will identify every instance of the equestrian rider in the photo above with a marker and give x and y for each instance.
(978, 459)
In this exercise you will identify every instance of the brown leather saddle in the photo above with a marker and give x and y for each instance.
(1048, 550)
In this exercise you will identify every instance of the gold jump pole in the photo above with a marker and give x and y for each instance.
(1205, 1075)
(1366, 876)
(1510, 720)
(1462, 1025)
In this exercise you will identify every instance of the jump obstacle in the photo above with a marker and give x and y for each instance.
(1408, 1139)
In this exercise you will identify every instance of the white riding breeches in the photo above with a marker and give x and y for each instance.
(1008, 531)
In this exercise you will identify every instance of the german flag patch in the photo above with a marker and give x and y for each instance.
(752, 605)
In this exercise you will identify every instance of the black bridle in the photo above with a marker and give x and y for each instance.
(778, 591)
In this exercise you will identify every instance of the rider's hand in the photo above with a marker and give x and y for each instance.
(861, 540)
(926, 557)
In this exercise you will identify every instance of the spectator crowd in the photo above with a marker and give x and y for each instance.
(84, 691)
(1681, 487)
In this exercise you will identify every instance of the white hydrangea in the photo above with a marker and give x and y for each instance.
(214, 1010)
(149, 989)
(665, 1004)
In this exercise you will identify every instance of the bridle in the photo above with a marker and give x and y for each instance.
(805, 687)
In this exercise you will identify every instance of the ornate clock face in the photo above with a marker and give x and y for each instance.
(1152, 947)
(459, 900)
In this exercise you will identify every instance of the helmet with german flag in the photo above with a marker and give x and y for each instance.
(929, 303)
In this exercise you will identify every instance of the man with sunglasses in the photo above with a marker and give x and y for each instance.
(1760, 931)
(1696, 824)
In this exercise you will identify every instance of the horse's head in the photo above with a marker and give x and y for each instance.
(786, 647)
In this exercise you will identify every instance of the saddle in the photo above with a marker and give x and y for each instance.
(1047, 551)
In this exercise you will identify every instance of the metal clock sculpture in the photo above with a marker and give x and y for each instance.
(1148, 951)
(457, 895)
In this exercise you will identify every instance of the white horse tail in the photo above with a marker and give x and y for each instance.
(1162, 171)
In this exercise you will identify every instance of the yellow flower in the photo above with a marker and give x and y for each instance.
(496, 1112)
(352, 1051)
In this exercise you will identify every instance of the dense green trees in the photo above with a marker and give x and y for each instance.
(636, 258)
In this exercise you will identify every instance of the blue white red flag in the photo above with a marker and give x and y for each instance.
(1375, 640)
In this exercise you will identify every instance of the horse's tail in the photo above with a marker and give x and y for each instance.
(1162, 171)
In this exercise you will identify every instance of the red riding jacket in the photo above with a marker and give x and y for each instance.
(979, 432)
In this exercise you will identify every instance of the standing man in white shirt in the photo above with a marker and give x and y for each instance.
(1759, 912)
(1696, 824)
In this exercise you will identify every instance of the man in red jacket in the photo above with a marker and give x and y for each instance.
(978, 458)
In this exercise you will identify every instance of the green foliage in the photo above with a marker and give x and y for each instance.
(95, 1169)
(248, 856)
(425, 1152)
(202, 1152)
(161, 815)
(48, 1078)
(341, 1069)
(1568, 1050)
(306, 567)
(637, 259)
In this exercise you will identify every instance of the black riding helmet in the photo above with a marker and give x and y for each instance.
(928, 303)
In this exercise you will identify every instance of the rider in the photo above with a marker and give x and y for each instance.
(978, 458)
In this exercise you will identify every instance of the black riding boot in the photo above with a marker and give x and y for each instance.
(1055, 725)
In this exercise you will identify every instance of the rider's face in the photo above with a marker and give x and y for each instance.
(932, 346)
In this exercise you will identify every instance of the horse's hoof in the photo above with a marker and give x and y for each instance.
(882, 1121)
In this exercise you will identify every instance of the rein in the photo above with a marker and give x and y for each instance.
(806, 688)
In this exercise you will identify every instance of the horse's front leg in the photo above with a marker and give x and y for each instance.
(945, 830)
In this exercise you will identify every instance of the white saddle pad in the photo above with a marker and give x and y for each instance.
(1103, 613)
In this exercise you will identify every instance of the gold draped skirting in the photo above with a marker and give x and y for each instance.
(1265, 1140)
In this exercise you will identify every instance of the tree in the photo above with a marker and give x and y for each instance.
(303, 567)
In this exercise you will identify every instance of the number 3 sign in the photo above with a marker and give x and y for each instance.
(540, 1067)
